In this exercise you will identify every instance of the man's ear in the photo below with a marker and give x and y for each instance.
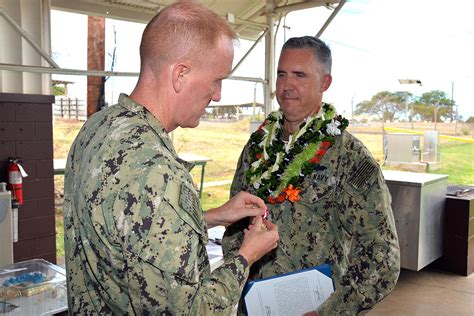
(178, 76)
(327, 80)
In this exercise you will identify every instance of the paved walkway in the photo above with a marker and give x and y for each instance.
(429, 292)
(216, 183)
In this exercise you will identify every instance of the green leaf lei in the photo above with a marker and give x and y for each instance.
(277, 167)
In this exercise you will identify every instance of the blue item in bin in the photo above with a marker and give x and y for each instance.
(30, 277)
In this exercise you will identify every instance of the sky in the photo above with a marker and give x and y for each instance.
(374, 43)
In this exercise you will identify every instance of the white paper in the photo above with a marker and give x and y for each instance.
(293, 294)
(214, 250)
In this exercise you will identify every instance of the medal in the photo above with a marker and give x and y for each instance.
(264, 218)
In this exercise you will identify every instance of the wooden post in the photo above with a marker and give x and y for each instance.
(95, 61)
(77, 110)
(62, 112)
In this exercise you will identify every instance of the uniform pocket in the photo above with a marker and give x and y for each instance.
(176, 241)
(184, 200)
(316, 187)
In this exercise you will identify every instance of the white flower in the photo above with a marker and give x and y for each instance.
(256, 185)
(308, 122)
(255, 164)
(320, 112)
(332, 128)
(276, 165)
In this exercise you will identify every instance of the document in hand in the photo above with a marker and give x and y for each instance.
(293, 293)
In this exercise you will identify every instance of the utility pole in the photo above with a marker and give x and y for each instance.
(409, 81)
(406, 115)
(254, 100)
(95, 61)
(352, 109)
(456, 113)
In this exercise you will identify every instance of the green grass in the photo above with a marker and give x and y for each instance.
(223, 142)
(215, 196)
(58, 214)
(457, 162)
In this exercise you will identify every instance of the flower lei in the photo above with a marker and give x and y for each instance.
(278, 167)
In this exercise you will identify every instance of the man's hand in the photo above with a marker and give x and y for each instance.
(260, 238)
(241, 205)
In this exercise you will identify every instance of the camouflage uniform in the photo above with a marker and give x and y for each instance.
(135, 235)
(344, 218)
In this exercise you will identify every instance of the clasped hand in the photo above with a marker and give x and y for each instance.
(240, 206)
(260, 237)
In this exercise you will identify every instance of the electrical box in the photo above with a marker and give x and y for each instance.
(430, 146)
(418, 208)
(6, 235)
(402, 148)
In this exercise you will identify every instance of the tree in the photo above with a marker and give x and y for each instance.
(404, 100)
(58, 90)
(434, 106)
(386, 105)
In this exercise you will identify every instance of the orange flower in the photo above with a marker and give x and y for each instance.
(281, 197)
(325, 145)
(271, 200)
(265, 123)
(320, 152)
(292, 194)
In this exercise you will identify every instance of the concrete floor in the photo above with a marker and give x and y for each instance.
(429, 292)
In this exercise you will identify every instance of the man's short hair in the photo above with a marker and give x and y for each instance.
(183, 29)
(320, 50)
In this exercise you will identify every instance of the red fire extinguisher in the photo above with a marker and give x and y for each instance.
(14, 179)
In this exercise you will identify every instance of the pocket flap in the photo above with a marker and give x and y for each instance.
(185, 201)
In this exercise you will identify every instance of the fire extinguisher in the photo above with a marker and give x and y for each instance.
(14, 179)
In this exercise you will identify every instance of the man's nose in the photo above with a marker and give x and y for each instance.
(288, 83)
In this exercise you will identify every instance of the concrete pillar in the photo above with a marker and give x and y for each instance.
(46, 43)
(31, 23)
(269, 59)
(12, 81)
(33, 16)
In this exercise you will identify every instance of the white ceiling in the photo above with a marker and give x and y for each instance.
(249, 15)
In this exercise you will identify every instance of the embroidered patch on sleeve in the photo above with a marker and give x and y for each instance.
(188, 200)
(363, 174)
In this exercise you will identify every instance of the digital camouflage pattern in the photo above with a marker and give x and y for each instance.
(344, 218)
(135, 235)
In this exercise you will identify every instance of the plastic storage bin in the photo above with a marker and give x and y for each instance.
(33, 287)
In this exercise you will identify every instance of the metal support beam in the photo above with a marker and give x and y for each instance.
(250, 23)
(249, 51)
(251, 79)
(303, 5)
(78, 72)
(331, 17)
(27, 37)
(269, 59)
(65, 71)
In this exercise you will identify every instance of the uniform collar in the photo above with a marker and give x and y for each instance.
(153, 122)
